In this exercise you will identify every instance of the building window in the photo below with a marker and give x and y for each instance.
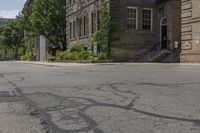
(85, 23)
(98, 19)
(80, 27)
(70, 30)
(94, 21)
(164, 21)
(132, 18)
(71, 2)
(161, 10)
(147, 19)
(74, 29)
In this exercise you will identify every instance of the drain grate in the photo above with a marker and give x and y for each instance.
(10, 93)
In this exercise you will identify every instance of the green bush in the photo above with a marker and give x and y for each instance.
(77, 48)
(76, 52)
(23, 57)
(84, 55)
(59, 55)
(87, 55)
(101, 56)
(69, 55)
(63, 55)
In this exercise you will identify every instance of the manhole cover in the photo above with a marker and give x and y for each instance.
(9, 93)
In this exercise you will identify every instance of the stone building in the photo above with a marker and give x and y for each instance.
(146, 30)
(190, 31)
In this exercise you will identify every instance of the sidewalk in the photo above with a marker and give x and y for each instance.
(58, 64)
(65, 64)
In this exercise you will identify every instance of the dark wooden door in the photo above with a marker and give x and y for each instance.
(164, 37)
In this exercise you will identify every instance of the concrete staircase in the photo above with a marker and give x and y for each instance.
(155, 54)
(164, 54)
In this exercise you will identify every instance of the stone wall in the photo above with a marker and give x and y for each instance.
(190, 31)
(127, 44)
(176, 22)
(77, 10)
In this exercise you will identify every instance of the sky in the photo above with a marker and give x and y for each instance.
(10, 8)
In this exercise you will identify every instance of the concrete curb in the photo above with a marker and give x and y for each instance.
(58, 64)
(54, 64)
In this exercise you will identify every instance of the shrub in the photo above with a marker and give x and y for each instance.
(77, 48)
(84, 55)
(63, 55)
(68, 55)
(23, 57)
(50, 58)
(101, 56)
(87, 55)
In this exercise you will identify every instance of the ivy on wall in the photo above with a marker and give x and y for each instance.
(102, 35)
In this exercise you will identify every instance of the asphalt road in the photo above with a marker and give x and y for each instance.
(118, 98)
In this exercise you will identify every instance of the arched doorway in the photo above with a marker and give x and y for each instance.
(163, 33)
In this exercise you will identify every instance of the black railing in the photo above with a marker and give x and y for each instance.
(151, 53)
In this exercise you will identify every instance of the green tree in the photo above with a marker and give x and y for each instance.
(48, 18)
(102, 35)
(11, 36)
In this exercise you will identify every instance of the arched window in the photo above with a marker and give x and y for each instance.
(164, 21)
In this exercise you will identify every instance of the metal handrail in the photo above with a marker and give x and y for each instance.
(156, 48)
(146, 52)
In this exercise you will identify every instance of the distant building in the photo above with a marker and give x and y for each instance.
(4, 20)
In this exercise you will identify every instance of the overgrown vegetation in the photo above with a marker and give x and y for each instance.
(74, 53)
(47, 18)
(101, 56)
(12, 38)
(24, 58)
(102, 35)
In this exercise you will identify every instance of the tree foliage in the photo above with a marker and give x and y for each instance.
(48, 18)
(11, 35)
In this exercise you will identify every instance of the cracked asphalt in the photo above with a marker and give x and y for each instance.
(118, 98)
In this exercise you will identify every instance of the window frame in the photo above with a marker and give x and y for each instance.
(74, 29)
(150, 9)
(127, 18)
(85, 25)
(71, 2)
(93, 21)
(71, 30)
